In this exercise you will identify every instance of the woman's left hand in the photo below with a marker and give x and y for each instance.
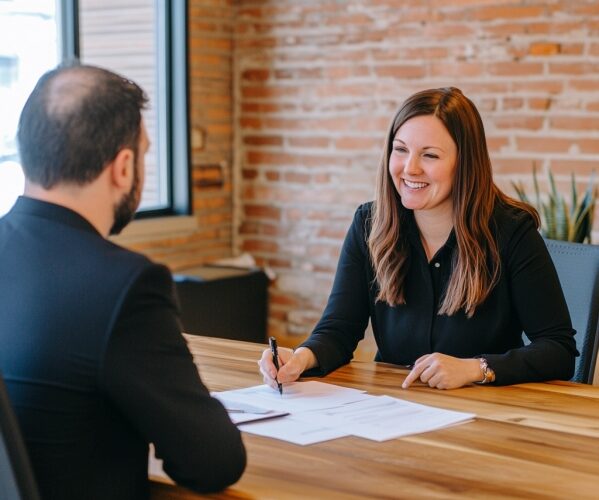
(444, 372)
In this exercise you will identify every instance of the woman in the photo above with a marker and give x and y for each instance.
(449, 270)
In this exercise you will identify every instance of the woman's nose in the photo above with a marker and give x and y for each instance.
(412, 166)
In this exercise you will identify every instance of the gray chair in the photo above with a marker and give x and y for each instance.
(17, 481)
(578, 270)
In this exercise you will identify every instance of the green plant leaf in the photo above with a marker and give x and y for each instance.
(574, 194)
(560, 220)
(519, 188)
(536, 185)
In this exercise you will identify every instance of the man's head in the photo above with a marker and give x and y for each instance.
(75, 123)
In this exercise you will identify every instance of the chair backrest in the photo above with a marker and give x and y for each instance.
(578, 270)
(17, 481)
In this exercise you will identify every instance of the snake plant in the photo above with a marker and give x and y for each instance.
(558, 220)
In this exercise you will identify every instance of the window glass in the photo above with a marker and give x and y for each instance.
(29, 46)
(123, 37)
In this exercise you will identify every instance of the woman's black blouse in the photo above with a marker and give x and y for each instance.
(527, 298)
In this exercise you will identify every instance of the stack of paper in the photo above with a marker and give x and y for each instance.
(318, 412)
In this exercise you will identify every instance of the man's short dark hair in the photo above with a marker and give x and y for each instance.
(75, 122)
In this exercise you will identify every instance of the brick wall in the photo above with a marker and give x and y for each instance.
(211, 120)
(316, 82)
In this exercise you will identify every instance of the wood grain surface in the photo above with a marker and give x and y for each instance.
(532, 441)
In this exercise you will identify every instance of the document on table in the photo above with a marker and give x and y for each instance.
(294, 430)
(320, 411)
(297, 396)
(382, 417)
(240, 413)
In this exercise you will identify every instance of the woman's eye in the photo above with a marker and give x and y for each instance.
(400, 149)
(431, 155)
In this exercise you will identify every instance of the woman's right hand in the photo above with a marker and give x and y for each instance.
(291, 365)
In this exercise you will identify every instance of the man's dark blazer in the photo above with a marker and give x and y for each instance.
(96, 367)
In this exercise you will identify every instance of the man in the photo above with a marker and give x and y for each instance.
(91, 349)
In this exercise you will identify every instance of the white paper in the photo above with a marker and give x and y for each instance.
(242, 412)
(382, 417)
(293, 430)
(297, 396)
(319, 412)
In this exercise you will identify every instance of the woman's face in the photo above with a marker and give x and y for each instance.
(422, 164)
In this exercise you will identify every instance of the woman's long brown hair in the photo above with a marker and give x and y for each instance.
(476, 266)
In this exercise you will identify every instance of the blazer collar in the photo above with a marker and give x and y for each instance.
(51, 211)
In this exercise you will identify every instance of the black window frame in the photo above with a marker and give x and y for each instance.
(172, 73)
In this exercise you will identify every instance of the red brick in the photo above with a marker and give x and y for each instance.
(263, 140)
(573, 49)
(510, 103)
(513, 165)
(552, 27)
(358, 143)
(584, 85)
(309, 142)
(282, 299)
(428, 53)
(255, 75)
(296, 178)
(260, 246)
(224, 44)
(270, 158)
(539, 86)
(504, 29)
(335, 234)
(543, 144)
(492, 13)
(518, 121)
(495, 143)
(544, 49)
(250, 122)
(321, 178)
(249, 228)
(443, 31)
(401, 71)
(589, 146)
(539, 103)
(515, 69)
(579, 167)
(298, 73)
(578, 68)
(574, 122)
(461, 69)
(338, 72)
(210, 203)
(262, 211)
(272, 176)
(588, 9)
(264, 92)
(267, 107)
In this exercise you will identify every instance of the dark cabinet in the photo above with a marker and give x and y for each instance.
(226, 302)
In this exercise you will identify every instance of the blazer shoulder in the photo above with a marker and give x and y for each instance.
(511, 223)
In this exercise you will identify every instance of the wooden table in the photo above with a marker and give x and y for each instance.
(528, 441)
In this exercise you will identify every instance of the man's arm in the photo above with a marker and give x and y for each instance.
(149, 373)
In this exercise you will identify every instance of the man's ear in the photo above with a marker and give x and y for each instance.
(121, 169)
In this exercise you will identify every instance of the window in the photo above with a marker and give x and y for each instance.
(140, 39)
(30, 44)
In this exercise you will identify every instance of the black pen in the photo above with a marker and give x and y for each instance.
(275, 359)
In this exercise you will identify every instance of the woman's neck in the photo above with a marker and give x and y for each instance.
(434, 230)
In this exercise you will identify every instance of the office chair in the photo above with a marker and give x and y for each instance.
(577, 267)
(16, 475)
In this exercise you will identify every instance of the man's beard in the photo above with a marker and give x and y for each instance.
(125, 209)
